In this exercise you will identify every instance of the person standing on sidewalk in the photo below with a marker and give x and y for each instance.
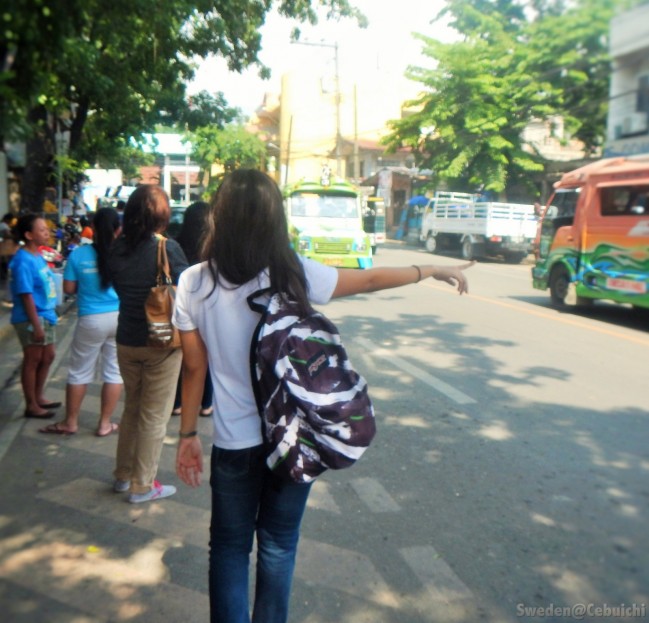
(247, 248)
(33, 314)
(150, 374)
(189, 238)
(86, 275)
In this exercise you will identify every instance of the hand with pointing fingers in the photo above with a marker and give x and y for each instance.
(454, 275)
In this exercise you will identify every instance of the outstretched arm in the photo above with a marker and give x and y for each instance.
(351, 281)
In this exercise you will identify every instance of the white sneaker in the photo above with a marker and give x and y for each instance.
(121, 486)
(157, 492)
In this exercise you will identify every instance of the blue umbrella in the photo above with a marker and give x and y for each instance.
(418, 200)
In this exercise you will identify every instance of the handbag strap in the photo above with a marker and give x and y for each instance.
(163, 276)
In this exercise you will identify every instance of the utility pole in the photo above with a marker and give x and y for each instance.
(333, 46)
(357, 162)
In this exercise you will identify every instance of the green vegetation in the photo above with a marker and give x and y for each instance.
(108, 72)
(232, 147)
(515, 62)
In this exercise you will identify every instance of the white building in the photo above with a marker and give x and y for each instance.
(628, 113)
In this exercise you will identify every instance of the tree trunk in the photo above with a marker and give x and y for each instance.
(40, 151)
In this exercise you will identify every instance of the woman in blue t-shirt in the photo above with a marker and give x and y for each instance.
(33, 315)
(86, 275)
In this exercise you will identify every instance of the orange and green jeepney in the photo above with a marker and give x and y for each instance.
(592, 241)
(326, 223)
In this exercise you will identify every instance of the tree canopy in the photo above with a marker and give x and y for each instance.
(109, 71)
(231, 147)
(515, 62)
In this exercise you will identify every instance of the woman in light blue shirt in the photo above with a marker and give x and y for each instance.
(86, 275)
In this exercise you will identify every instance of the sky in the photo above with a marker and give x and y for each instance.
(386, 47)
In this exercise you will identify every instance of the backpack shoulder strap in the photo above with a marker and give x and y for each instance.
(260, 308)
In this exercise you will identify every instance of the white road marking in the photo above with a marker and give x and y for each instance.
(178, 522)
(321, 498)
(322, 564)
(444, 590)
(443, 388)
(374, 495)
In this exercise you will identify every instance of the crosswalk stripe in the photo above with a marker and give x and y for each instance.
(446, 595)
(322, 564)
(178, 522)
(322, 499)
(374, 495)
(437, 384)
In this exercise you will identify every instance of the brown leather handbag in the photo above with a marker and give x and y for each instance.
(159, 305)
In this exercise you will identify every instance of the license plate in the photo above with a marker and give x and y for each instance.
(626, 285)
(332, 261)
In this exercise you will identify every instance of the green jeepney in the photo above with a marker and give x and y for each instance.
(326, 224)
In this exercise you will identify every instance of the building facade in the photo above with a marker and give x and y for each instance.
(628, 114)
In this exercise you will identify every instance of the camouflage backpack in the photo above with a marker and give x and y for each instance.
(314, 406)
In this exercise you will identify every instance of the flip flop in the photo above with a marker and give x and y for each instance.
(39, 416)
(113, 429)
(50, 405)
(206, 412)
(57, 429)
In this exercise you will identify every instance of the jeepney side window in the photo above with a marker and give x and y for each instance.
(624, 200)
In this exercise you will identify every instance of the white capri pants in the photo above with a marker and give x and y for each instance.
(94, 336)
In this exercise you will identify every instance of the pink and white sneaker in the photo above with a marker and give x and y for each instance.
(157, 492)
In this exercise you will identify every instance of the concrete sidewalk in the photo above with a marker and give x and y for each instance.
(71, 550)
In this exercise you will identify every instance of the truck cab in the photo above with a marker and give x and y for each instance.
(593, 237)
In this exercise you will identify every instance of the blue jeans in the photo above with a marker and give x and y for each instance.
(247, 498)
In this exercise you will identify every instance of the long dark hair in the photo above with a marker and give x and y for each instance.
(192, 230)
(105, 224)
(146, 213)
(247, 233)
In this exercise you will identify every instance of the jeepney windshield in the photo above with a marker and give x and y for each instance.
(313, 205)
(564, 203)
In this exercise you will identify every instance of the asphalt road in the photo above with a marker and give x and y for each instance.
(513, 438)
(508, 479)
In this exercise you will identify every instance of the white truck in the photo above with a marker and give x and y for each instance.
(478, 228)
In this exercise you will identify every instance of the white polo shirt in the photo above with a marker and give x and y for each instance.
(226, 324)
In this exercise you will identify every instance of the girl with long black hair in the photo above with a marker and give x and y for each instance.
(247, 248)
(86, 275)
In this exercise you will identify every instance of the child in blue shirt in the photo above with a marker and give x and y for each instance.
(34, 315)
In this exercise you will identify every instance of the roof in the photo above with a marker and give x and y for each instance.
(608, 166)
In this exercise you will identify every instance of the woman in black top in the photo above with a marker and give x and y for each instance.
(150, 374)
